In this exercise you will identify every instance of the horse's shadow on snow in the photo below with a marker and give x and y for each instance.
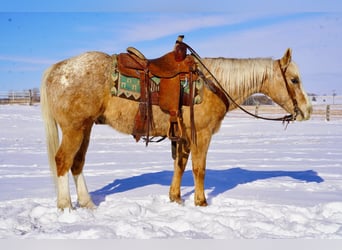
(218, 180)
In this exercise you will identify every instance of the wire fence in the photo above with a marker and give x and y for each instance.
(30, 97)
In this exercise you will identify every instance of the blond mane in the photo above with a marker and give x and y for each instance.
(240, 77)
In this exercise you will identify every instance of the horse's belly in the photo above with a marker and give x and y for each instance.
(120, 114)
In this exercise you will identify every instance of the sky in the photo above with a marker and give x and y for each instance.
(35, 34)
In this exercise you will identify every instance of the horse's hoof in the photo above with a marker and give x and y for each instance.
(89, 205)
(64, 205)
(176, 199)
(66, 209)
(202, 203)
(179, 201)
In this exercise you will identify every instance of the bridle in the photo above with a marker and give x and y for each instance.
(291, 93)
(286, 118)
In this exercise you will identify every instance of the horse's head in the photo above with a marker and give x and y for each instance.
(286, 88)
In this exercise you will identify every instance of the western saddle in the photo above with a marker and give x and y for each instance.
(171, 69)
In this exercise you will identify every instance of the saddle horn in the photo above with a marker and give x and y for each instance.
(180, 49)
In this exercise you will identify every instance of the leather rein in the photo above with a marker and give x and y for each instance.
(214, 86)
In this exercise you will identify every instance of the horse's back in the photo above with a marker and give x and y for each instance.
(78, 88)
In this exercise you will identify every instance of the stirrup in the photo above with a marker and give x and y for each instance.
(175, 131)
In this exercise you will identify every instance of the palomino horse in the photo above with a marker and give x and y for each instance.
(76, 92)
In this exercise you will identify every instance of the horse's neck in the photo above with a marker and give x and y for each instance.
(241, 78)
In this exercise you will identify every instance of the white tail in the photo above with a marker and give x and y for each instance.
(51, 130)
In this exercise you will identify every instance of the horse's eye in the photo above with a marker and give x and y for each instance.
(295, 80)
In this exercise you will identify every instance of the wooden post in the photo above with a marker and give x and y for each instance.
(257, 109)
(30, 97)
(327, 114)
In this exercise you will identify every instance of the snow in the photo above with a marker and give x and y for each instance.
(262, 182)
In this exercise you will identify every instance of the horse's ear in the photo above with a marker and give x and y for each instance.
(286, 59)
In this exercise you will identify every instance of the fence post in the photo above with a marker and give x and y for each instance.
(257, 109)
(327, 114)
(30, 97)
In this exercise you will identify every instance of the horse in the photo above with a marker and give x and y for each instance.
(75, 93)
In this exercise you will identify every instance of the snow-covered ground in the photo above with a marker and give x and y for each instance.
(262, 182)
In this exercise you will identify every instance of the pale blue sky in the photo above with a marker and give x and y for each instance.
(39, 33)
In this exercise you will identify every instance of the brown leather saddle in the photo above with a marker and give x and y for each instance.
(171, 69)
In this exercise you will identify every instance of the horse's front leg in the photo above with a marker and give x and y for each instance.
(182, 156)
(199, 155)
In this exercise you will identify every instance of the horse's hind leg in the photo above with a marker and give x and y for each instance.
(83, 197)
(182, 156)
(71, 142)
